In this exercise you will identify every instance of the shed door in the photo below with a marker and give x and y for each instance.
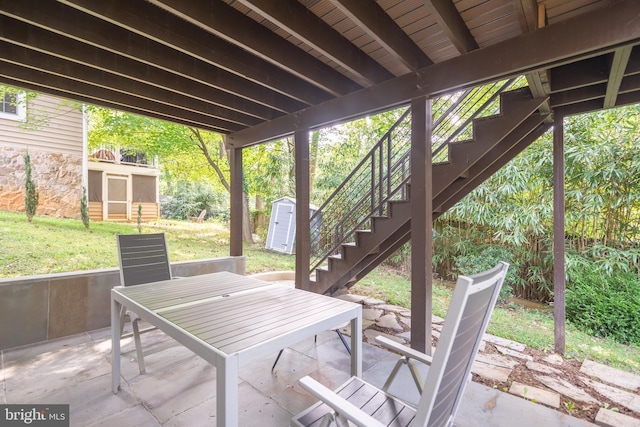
(282, 237)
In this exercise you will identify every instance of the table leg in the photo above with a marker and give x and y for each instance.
(356, 345)
(115, 344)
(227, 393)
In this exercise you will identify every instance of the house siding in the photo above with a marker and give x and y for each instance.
(55, 148)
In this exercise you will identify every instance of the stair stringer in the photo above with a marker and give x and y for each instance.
(523, 126)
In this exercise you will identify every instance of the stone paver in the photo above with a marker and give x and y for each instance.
(554, 359)
(371, 313)
(609, 418)
(566, 388)
(534, 394)
(389, 321)
(543, 369)
(497, 367)
(497, 360)
(491, 372)
(513, 353)
(513, 345)
(611, 375)
(622, 397)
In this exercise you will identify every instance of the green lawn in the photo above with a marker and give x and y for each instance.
(49, 245)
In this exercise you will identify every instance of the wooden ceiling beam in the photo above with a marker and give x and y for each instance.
(619, 62)
(527, 13)
(449, 19)
(77, 25)
(149, 21)
(233, 26)
(230, 107)
(55, 84)
(587, 35)
(96, 78)
(379, 25)
(296, 19)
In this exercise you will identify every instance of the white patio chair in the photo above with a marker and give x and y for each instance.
(143, 259)
(359, 403)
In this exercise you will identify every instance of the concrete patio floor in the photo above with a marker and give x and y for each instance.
(179, 387)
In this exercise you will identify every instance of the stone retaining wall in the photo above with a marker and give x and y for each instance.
(48, 306)
(58, 179)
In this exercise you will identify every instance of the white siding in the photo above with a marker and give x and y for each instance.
(61, 132)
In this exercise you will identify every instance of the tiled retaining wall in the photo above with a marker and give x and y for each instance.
(48, 306)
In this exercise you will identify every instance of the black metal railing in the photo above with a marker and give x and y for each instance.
(383, 174)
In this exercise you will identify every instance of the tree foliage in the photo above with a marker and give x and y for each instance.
(31, 193)
(513, 208)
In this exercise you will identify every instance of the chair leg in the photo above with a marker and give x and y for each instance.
(276, 362)
(136, 337)
(344, 341)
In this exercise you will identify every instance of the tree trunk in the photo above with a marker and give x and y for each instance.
(247, 236)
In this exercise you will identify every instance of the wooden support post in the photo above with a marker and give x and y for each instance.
(559, 312)
(303, 194)
(421, 196)
(235, 220)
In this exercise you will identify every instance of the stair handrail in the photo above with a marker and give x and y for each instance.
(373, 182)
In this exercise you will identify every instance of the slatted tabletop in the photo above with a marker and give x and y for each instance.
(231, 320)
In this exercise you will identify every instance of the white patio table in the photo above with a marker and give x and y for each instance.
(231, 320)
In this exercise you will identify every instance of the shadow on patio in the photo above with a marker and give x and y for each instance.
(179, 387)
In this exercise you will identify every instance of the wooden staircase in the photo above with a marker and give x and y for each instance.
(496, 140)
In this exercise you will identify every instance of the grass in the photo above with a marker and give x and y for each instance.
(50, 245)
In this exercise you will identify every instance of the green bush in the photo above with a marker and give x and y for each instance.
(484, 260)
(604, 305)
(188, 200)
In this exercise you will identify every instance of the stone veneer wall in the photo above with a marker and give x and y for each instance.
(58, 178)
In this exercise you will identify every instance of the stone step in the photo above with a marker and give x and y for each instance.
(609, 418)
(621, 397)
(611, 375)
(534, 394)
(567, 389)
(513, 345)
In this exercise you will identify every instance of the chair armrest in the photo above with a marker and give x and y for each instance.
(339, 404)
(405, 351)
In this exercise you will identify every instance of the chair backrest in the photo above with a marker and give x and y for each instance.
(143, 258)
(471, 306)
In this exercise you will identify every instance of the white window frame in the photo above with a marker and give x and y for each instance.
(21, 110)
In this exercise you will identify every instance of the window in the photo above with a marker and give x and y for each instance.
(12, 106)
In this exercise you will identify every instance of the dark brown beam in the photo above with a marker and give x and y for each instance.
(16, 76)
(136, 93)
(628, 98)
(233, 26)
(75, 24)
(379, 25)
(633, 67)
(30, 37)
(583, 36)
(559, 305)
(617, 69)
(575, 96)
(527, 13)
(421, 225)
(580, 74)
(140, 17)
(449, 19)
(630, 83)
(296, 19)
(236, 202)
(303, 194)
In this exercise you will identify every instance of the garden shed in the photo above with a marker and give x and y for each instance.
(281, 236)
